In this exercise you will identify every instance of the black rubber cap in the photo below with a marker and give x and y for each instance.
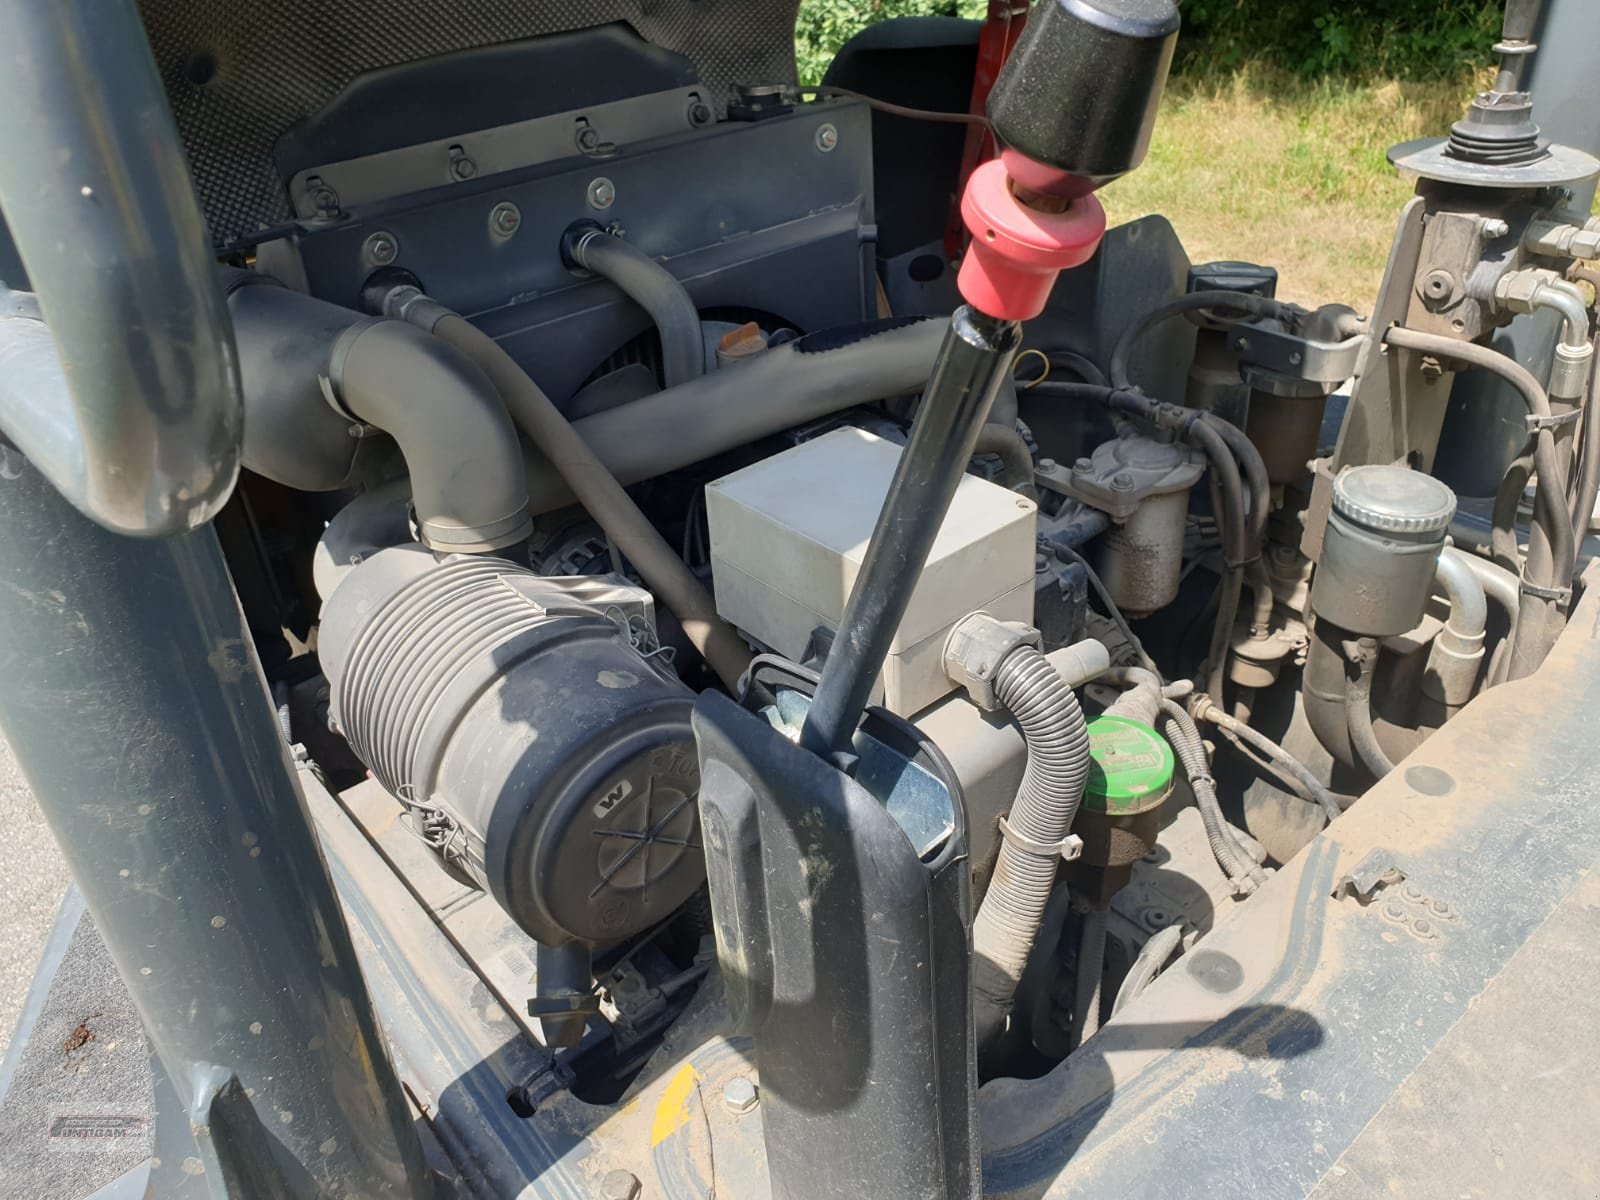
(1080, 91)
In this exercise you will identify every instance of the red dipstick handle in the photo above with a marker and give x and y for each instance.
(1017, 251)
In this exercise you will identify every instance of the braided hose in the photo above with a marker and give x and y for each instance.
(1047, 801)
(1241, 871)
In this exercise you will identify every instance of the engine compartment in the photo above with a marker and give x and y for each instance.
(565, 440)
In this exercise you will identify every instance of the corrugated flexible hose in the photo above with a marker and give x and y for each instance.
(1047, 802)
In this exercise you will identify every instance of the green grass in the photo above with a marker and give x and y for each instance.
(1259, 165)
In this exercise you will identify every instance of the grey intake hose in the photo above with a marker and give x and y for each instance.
(1358, 709)
(788, 385)
(468, 483)
(656, 290)
(602, 495)
(1184, 738)
(1041, 817)
(1456, 656)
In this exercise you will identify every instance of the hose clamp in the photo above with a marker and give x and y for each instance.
(1535, 423)
(1562, 596)
(1068, 848)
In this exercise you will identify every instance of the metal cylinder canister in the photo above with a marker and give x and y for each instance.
(1385, 530)
(557, 760)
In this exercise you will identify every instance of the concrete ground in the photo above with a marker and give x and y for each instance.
(33, 879)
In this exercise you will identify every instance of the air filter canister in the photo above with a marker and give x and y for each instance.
(550, 759)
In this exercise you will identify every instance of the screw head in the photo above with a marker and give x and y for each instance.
(1494, 227)
(461, 167)
(1083, 466)
(505, 218)
(1122, 482)
(827, 137)
(699, 113)
(619, 1185)
(739, 1096)
(380, 249)
(602, 193)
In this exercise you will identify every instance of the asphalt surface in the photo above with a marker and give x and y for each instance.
(33, 879)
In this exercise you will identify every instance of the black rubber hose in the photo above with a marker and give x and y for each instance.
(1057, 740)
(1091, 977)
(656, 290)
(1551, 543)
(1008, 445)
(1229, 589)
(1152, 957)
(1252, 467)
(1239, 302)
(1358, 710)
(1503, 546)
(605, 500)
(1204, 710)
(1587, 489)
(1240, 869)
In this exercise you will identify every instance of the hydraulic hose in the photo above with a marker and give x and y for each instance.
(604, 498)
(1091, 977)
(1551, 543)
(1005, 442)
(1503, 529)
(1358, 709)
(1228, 592)
(1041, 817)
(654, 288)
(1152, 957)
(1456, 655)
(1240, 302)
(1587, 489)
(1184, 738)
(1205, 710)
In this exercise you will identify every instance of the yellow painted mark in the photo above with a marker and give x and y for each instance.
(672, 1111)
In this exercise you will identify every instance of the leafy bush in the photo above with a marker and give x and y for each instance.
(1361, 39)
(825, 25)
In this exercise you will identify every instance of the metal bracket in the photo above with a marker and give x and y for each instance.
(1554, 421)
(1069, 847)
(1559, 595)
(1370, 876)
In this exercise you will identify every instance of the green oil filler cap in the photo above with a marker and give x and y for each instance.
(1130, 768)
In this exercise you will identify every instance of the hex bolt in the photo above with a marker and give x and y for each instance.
(1083, 466)
(505, 218)
(1393, 911)
(380, 249)
(461, 167)
(1422, 927)
(619, 1185)
(827, 137)
(588, 139)
(1047, 465)
(1122, 482)
(739, 1096)
(699, 113)
(602, 193)
(1440, 909)
(1413, 893)
(1494, 227)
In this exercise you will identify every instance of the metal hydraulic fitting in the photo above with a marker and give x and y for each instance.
(1535, 288)
(977, 645)
(1564, 239)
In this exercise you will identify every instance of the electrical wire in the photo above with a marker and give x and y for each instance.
(895, 110)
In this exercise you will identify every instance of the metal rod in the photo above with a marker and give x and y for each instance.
(972, 362)
(98, 198)
(136, 709)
